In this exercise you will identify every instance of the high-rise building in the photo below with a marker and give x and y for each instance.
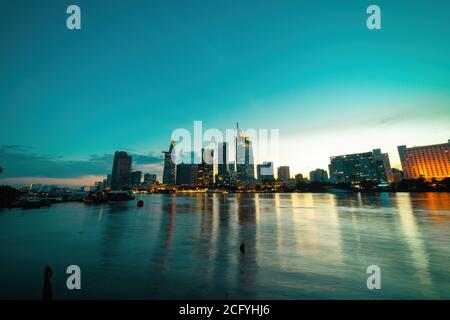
(384, 157)
(149, 179)
(169, 171)
(245, 167)
(318, 175)
(232, 168)
(264, 172)
(432, 161)
(205, 170)
(120, 177)
(357, 167)
(187, 174)
(136, 177)
(284, 174)
(232, 172)
(108, 181)
(223, 171)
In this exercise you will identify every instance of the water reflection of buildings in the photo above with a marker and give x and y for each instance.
(224, 242)
(315, 231)
(203, 246)
(294, 242)
(414, 241)
(246, 214)
(222, 223)
(113, 228)
(165, 234)
(436, 204)
(161, 251)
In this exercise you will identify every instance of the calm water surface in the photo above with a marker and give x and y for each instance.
(298, 246)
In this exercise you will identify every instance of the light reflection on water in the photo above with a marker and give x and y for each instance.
(298, 246)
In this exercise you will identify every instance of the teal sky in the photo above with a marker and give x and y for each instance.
(140, 69)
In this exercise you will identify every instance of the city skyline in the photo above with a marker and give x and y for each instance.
(435, 154)
(73, 98)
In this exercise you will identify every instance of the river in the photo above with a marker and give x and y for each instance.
(186, 246)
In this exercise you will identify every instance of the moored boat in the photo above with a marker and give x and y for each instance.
(120, 195)
(33, 201)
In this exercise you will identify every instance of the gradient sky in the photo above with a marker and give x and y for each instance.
(140, 69)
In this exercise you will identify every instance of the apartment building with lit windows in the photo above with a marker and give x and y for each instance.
(358, 167)
(432, 161)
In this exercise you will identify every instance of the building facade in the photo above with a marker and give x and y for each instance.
(121, 172)
(432, 161)
(318, 175)
(149, 179)
(186, 174)
(245, 166)
(205, 170)
(169, 171)
(136, 178)
(264, 172)
(384, 157)
(283, 174)
(357, 167)
(223, 168)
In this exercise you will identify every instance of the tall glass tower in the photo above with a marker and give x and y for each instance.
(245, 169)
(169, 172)
(121, 172)
(223, 172)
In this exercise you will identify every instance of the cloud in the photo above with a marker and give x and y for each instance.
(82, 181)
(15, 147)
(20, 161)
(143, 159)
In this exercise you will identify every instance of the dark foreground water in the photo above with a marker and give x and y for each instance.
(298, 246)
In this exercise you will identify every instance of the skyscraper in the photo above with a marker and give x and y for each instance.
(284, 173)
(136, 177)
(232, 171)
(223, 172)
(245, 168)
(108, 181)
(187, 174)
(120, 177)
(232, 168)
(149, 179)
(432, 161)
(384, 157)
(357, 167)
(264, 172)
(205, 170)
(169, 170)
